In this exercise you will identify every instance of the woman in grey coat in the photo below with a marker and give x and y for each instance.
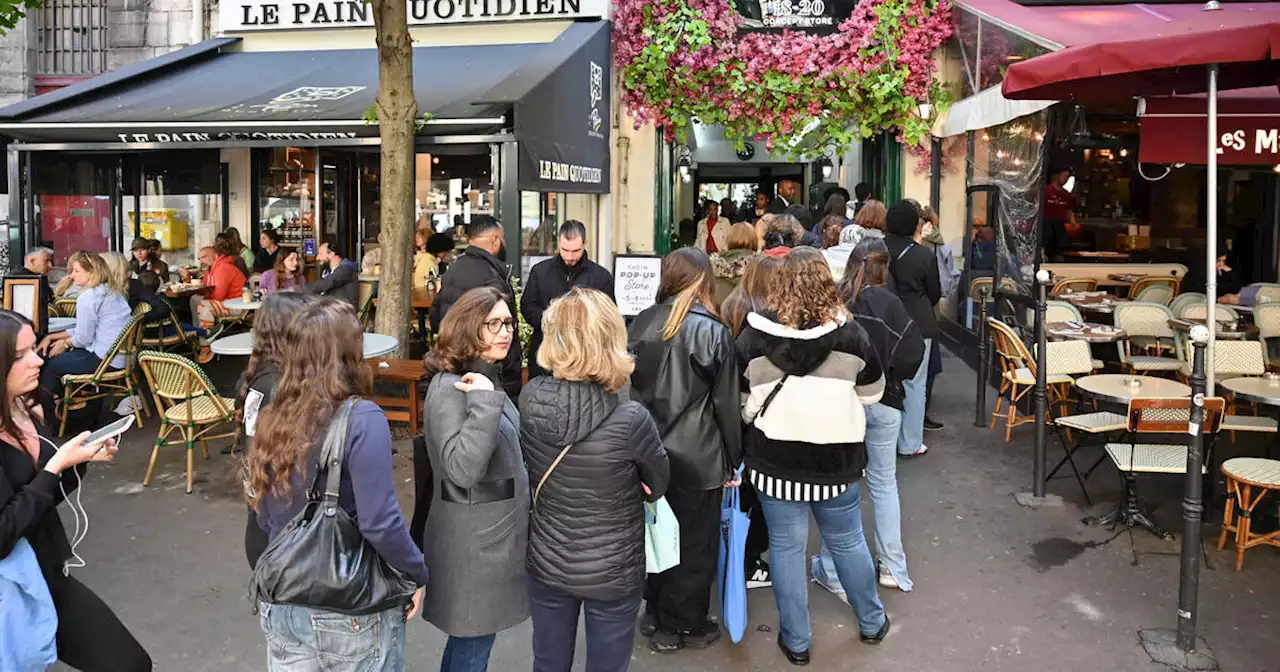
(477, 529)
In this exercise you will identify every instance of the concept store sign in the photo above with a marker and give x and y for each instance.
(247, 15)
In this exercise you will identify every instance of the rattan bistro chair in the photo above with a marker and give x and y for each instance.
(1155, 289)
(1072, 285)
(1150, 335)
(1267, 318)
(1156, 416)
(1184, 300)
(167, 335)
(1061, 311)
(80, 388)
(65, 307)
(1018, 376)
(187, 401)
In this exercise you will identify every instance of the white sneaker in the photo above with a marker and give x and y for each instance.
(919, 451)
(815, 571)
(887, 580)
(125, 407)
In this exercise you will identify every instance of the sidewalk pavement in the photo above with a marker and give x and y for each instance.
(997, 587)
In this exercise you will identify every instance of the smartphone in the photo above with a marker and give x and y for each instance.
(114, 429)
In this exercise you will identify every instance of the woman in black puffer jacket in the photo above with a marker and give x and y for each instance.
(591, 460)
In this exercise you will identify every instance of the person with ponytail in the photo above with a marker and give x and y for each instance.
(686, 375)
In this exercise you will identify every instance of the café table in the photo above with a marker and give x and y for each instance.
(238, 303)
(1097, 255)
(1089, 332)
(183, 291)
(1126, 278)
(57, 324)
(1112, 387)
(1097, 302)
(375, 345)
(1223, 333)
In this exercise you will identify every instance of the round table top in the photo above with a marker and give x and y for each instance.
(375, 345)
(1254, 470)
(57, 324)
(1089, 332)
(238, 303)
(1249, 388)
(1112, 387)
(1223, 333)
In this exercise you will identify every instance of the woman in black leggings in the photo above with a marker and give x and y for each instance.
(35, 476)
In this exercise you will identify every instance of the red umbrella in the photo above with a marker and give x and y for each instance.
(1169, 60)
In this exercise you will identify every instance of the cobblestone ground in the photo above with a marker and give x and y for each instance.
(998, 587)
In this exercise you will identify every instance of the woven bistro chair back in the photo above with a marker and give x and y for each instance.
(1009, 347)
(65, 307)
(1267, 318)
(1155, 289)
(1199, 311)
(1234, 358)
(1171, 415)
(1068, 358)
(980, 286)
(1268, 292)
(1061, 311)
(153, 336)
(104, 382)
(1070, 285)
(1147, 325)
(1184, 300)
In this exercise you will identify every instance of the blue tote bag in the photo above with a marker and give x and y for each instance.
(733, 553)
(28, 620)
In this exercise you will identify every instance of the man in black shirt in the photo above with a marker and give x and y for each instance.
(554, 277)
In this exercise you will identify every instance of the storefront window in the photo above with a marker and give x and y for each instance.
(451, 189)
(73, 201)
(541, 214)
(180, 204)
(287, 195)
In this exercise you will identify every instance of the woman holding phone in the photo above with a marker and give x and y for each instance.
(477, 530)
(35, 476)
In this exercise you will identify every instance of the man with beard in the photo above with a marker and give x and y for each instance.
(482, 264)
(554, 277)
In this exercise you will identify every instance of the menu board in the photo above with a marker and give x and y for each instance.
(635, 282)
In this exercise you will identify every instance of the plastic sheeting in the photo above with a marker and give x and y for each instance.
(983, 110)
(1011, 158)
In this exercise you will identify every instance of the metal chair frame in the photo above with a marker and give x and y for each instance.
(80, 388)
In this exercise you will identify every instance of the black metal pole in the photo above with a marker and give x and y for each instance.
(1040, 394)
(980, 418)
(1192, 501)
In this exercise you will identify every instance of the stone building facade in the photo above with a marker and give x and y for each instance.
(70, 40)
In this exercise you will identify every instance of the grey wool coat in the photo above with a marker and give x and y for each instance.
(477, 532)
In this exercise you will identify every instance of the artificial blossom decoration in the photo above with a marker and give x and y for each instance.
(684, 60)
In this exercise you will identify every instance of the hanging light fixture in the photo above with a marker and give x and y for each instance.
(684, 162)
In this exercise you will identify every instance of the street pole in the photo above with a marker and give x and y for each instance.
(1179, 648)
(1192, 500)
(980, 418)
(1040, 394)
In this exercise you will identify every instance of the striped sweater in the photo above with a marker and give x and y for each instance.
(804, 406)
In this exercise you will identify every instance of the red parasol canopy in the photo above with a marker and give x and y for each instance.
(1168, 59)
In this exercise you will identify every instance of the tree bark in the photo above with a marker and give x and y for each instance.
(397, 114)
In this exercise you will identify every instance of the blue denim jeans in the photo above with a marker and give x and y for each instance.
(302, 639)
(840, 522)
(913, 402)
(467, 654)
(883, 423)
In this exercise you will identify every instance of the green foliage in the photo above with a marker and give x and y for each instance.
(12, 11)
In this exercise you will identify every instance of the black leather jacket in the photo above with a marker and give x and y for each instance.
(586, 530)
(690, 384)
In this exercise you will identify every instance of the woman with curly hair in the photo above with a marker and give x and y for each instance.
(810, 370)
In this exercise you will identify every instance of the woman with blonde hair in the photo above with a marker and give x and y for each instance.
(686, 374)
(728, 265)
(810, 370)
(595, 459)
(102, 312)
(117, 268)
(749, 295)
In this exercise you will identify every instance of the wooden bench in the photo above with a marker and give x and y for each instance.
(411, 372)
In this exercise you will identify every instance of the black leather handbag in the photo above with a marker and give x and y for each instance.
(320, 560)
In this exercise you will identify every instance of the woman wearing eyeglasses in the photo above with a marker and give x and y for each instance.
(477, 531)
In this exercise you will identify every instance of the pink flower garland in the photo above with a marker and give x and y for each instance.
(684, 60)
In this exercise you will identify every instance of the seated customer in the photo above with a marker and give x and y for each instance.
(286, 275)
(145, 258)
(102, 311)
(146, 291)
(372, 259)
(40, 261)
(227, 281)
(339, 277)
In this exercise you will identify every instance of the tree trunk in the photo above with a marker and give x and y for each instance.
(397, 114)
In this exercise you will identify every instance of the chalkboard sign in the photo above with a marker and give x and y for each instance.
(635, 280)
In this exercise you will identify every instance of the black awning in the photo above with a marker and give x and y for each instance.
(543, 90)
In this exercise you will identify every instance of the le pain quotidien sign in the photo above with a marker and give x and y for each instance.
(248, 15)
